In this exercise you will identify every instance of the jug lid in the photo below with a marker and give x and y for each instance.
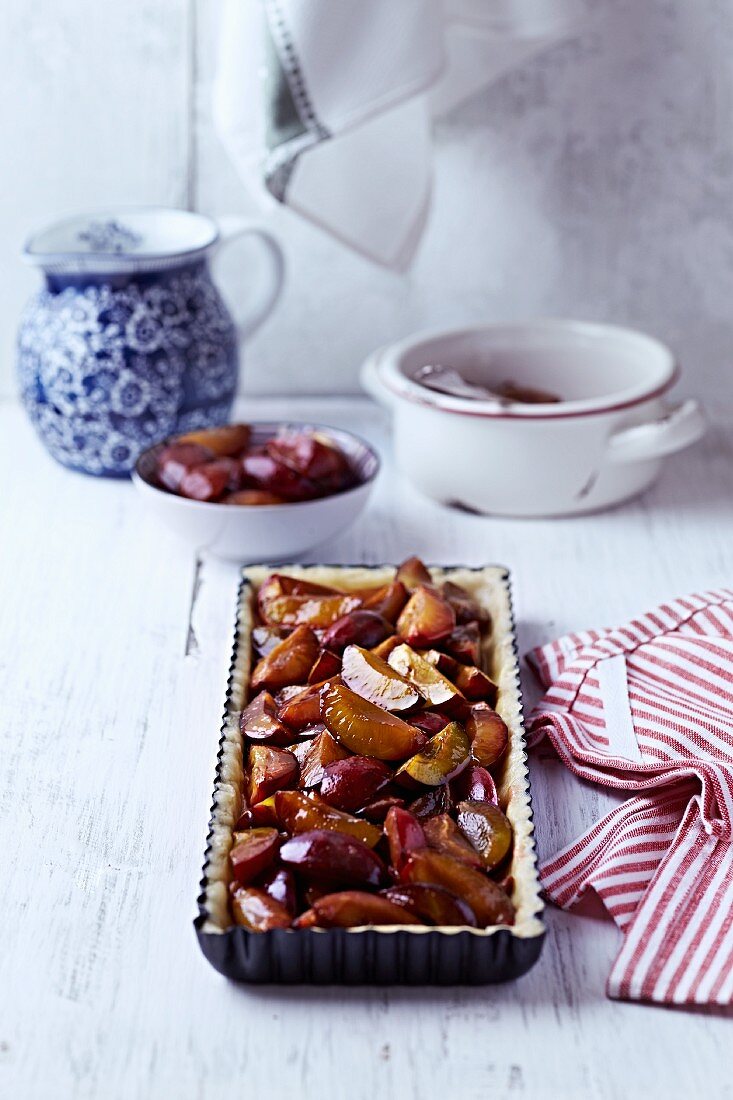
(115, 241)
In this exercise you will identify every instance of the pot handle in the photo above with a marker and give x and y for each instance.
(233, 227)
(678, 427)
(372, 383)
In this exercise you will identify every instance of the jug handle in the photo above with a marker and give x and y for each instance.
(232, 228)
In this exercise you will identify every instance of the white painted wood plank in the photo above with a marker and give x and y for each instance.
(94, 112)
(108, 742)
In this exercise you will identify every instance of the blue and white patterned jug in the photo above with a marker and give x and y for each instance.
(129, 340)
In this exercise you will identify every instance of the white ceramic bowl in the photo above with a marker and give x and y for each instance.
(262, 533)
(602, 443)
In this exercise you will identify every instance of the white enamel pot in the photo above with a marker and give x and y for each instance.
(602, 443)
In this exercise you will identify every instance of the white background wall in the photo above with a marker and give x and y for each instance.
(596, 181)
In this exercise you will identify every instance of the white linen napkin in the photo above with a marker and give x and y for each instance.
(329, 103)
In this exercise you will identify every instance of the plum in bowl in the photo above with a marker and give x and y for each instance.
(264, 491)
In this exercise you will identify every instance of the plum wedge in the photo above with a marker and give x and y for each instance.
(353, 908)
(486, 898)
(288, 663)
(365, 728)
(334, 858)
(445, 755)
(435, 688)
(378, 681)
(426, 617)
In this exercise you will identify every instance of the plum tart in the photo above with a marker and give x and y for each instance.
(372, 772)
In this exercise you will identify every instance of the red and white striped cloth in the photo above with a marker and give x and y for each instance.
(648, 707)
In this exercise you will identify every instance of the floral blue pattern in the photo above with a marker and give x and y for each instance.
(106, 370)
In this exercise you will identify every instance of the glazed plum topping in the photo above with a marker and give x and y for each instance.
(369, 736)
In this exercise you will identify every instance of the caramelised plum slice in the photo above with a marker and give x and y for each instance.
(225, 441)
(488, 830)
(209, 481)
(270, 770)
(444, 756)
(489, 735)
(315, 755)
(464, 643)
(265, 638)
(334, 858)
(365, 728)
(387, 600)
(358, 627)
(486, 898)
(257, 910)
(175, 460)
(259, 721)
(432, 904)
(429, 721)
(474, 784)
(353, 908)
(262, 471)
(475, 684)
(252, 853)
(351, 783)
(261, 814)
(288, 663)
(444, 836)
(404, 835)
(315, 457)
(377, 681)
(303, 709)
(326, 665)
(379, 807)
(384, 648)
(426, 617)
(437, 800)
(299, 813)
(433, 686)
(412, 573)
(466, 606)
(318, 612)
(280, 884)
(279, 584)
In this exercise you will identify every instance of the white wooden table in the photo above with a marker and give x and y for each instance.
(114, 645)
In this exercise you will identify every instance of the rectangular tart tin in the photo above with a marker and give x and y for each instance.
(399, 955)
